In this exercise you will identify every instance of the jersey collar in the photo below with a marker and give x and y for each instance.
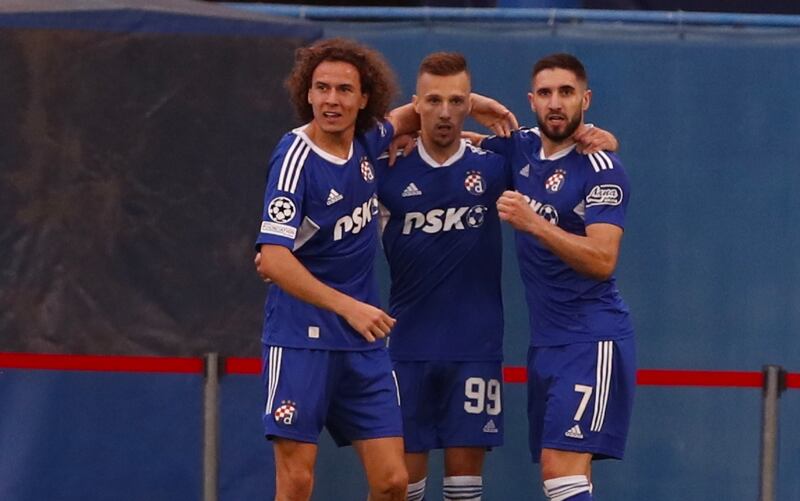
(462, 146)
(559, 154)
(301, 131)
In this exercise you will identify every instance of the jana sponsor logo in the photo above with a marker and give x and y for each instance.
(604, 194)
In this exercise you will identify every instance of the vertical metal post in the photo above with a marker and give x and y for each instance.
(774, 384)
(211, 427)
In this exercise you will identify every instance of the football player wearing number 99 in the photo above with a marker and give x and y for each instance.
(569, 213)
(441, 236)
(325, 362)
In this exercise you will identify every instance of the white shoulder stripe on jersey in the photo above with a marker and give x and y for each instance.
(300, 164)
(286, 159)
(600, 161)
(275, 355)
(605, 353)
(594, 163)
(292, 165)
(605, 156)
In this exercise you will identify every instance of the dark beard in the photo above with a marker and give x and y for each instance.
(569, 130)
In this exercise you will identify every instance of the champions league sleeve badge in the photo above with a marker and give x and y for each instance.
(556, 181)
(367, 171)
(474, 183)
(281, 210)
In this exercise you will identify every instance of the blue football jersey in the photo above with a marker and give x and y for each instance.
(324, 209)
(441, 236)
(572, 191)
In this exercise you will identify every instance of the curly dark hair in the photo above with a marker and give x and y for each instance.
(378, 80)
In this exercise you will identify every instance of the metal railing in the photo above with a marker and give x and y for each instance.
(386, 14)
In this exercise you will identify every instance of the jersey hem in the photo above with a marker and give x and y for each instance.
(402, 358)
(293, 346)
(579, 341)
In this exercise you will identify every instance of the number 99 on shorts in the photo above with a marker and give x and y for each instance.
(482, 395)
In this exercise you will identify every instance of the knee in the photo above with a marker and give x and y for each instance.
(392, 484)
(294, 484)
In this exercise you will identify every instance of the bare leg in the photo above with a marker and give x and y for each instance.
(384, 464)
(294, 469)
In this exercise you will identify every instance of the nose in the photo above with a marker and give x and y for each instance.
(331, 96)
(444, 111)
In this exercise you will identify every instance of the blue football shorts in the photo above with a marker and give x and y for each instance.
(351, 393)
(580, 397)
(450, 404)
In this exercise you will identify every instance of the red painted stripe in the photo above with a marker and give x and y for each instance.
(515, 374)
(237, 365)
(738, 379)
(101, 363)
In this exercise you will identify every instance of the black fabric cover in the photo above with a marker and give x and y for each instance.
(132, 167)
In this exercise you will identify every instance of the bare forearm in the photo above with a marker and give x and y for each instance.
(279, 265)
(593, 255)
(404, 119)
(583, 254)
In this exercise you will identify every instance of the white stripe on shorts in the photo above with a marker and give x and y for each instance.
(396, 386)
(605, 357)
(275, 355)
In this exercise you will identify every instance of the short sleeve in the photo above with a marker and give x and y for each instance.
(500, 145)
(607, 190)
(283, 197)
(377, 139)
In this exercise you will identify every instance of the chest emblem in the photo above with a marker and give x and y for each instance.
(367, 171)
(555, 181)
(474, 183)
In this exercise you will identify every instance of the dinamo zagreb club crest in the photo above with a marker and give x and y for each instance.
(474, 183)
(556, 181)
(286, 412)
(367, 171)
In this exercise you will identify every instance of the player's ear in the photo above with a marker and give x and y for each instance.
(415, 103)
(587, 99)
(308, 96)
(364, 101)
(530, 100)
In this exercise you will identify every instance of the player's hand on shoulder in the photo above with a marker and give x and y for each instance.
(493, 115)
(593, 139)
(404, 144)
(371, 322)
